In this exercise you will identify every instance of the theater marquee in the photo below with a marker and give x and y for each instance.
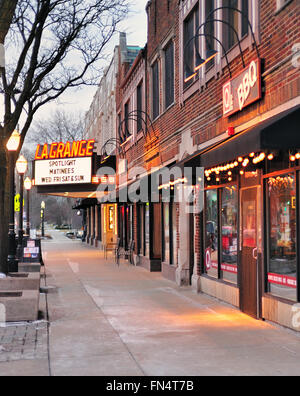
(64, 163)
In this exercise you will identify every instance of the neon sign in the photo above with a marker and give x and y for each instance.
(82, 148)
(242, 90)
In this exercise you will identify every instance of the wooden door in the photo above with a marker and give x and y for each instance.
(248, 252)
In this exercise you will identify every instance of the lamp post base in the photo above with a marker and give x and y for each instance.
(12, 264)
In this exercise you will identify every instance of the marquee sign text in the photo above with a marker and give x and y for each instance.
(82, 148)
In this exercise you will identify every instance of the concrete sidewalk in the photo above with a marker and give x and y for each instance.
(107, 320)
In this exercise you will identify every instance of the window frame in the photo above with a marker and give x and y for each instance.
(169, 44)
(219, 188)
(139, 106)
(296, 172)
(156, 63)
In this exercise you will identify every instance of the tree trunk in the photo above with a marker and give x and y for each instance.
(4, 207)
(7, 10)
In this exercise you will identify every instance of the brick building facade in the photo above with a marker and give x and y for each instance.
(234, 115)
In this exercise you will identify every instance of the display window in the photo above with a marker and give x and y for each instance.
(166, 218)
(221, 233)
(147, 230)
(211, 255)
(282, 235)
(229, 230)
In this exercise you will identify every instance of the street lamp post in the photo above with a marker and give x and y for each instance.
(43, 206)
(28, 185)
(12, 146)
(21, 166)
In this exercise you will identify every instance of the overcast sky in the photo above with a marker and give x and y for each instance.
(136, 28)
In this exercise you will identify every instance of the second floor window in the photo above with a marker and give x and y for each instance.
(126, 122)
(155, 90)
(236, 20)
(169, 74)
(190, 42)
(139, 107)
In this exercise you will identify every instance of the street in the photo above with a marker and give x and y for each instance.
(107, 320)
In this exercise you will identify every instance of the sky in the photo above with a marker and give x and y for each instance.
(136, 28)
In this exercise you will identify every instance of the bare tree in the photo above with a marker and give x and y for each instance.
(56, 46)
(60, 126)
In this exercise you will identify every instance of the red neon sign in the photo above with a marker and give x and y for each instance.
(82, 148)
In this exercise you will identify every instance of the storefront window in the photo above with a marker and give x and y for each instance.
(174, 227)
(229, 233)
(166, 233)
(147, 229)
(141, 229)
(282, 258)
(211, 233)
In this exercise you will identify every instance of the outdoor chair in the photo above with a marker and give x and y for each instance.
(121, 252)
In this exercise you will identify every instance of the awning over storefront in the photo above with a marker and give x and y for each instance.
(281, 132)
(86, 203)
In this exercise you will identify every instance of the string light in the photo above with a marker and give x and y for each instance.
(270, 157)
(246, 162)
(259, 158)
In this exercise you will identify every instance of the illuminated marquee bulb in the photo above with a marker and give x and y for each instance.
(270, 157)
(297, 156)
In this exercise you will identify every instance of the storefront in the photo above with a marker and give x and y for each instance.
(250, 237)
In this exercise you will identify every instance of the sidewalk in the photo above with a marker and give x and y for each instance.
(107, 320)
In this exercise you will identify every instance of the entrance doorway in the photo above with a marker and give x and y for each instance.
(249, 241)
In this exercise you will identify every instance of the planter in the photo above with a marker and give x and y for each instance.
(20, 281)
(29, 267)
(19, 306)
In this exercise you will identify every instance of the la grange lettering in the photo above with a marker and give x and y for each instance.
(82, 148)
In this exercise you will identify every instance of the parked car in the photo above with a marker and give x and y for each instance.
(70, 235)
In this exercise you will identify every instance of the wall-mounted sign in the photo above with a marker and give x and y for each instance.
(64, 163)
(242, 90)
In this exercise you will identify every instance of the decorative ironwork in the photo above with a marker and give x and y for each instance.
(189, 74)
(136, 115)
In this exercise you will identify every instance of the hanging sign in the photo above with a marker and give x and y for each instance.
(59, 163)
(242, 90)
